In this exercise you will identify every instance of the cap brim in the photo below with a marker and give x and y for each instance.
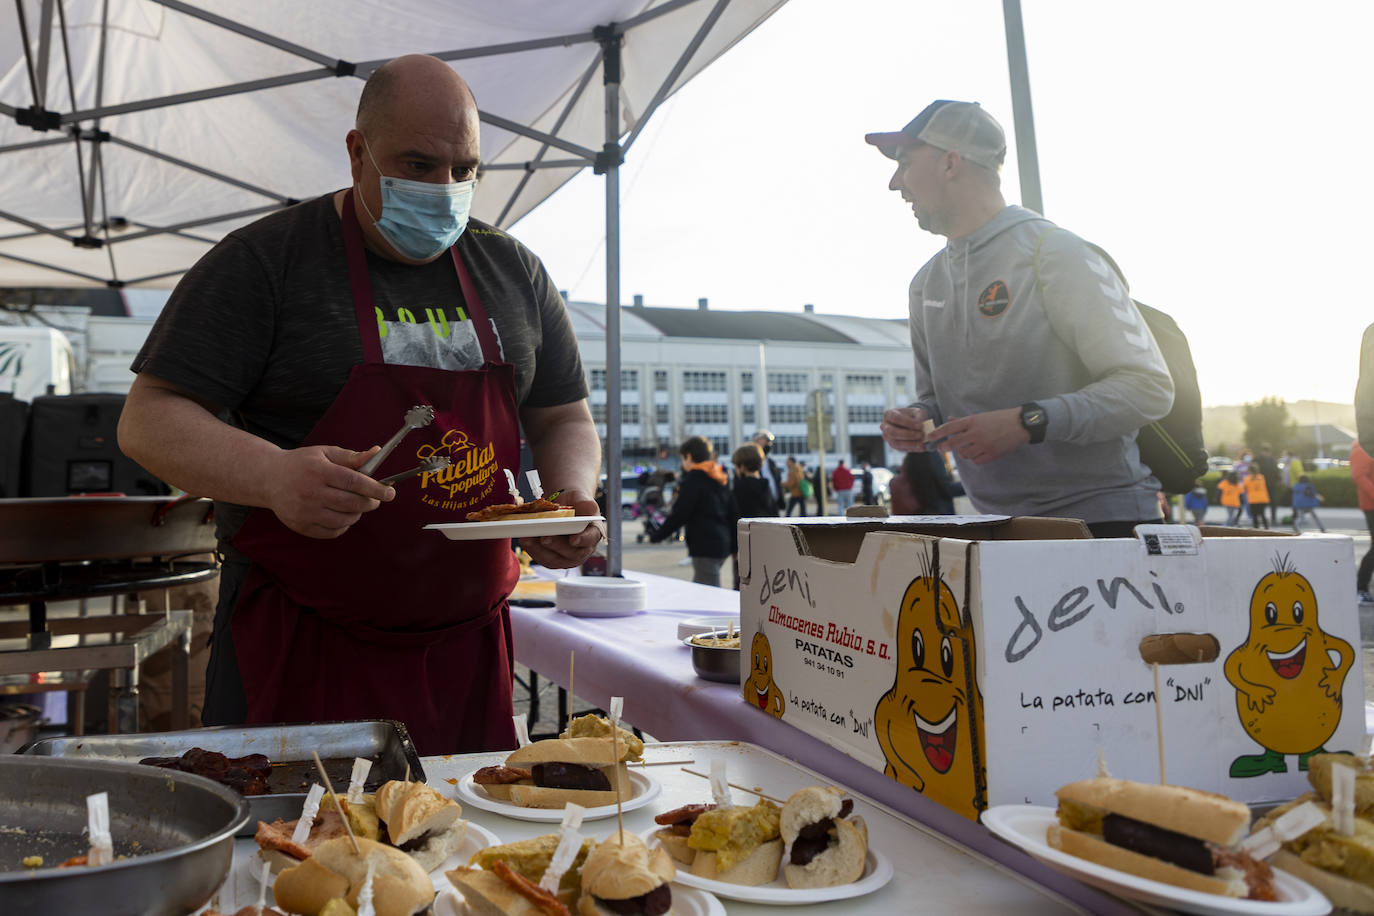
(889, 144)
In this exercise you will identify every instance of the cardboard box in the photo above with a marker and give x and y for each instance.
(986, 660)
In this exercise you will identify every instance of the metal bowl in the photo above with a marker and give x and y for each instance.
(176, 830)
(714, 663)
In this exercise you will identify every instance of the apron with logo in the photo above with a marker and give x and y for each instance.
(389, 621)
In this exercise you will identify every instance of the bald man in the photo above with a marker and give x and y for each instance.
(298, 345)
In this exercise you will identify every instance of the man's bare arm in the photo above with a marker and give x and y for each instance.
(315, 491)
(567, 454)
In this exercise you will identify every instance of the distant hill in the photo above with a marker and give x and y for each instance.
(1225, 424)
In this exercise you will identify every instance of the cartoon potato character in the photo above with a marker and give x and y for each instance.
(760, 689)
(924, 723)
(1287, 674)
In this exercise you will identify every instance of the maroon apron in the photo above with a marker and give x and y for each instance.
(388, 620)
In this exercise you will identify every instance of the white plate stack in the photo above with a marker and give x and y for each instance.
(599, 596)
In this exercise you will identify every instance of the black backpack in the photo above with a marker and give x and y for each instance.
(1172, 446)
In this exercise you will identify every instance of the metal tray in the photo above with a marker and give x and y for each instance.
(383, 741)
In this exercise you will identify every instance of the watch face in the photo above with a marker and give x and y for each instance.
(1034, 417)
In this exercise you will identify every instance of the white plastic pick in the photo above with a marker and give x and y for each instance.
(720, 785)
(308, 812)
(522, 732)
(1264, 843)
(263, 877)
(361, 767)
(513, 487)
(535, 487)
(365, 907)
(569, 843)
(1343, 799)
(98, 823)
(617, 707)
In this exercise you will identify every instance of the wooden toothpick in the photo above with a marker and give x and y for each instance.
(337, 807)
(1159, 724)
(732, 785)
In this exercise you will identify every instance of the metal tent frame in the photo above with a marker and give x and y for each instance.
(101, 230)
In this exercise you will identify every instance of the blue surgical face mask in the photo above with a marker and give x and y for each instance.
(421, 219)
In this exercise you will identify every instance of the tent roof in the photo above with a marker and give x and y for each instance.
(190, 123)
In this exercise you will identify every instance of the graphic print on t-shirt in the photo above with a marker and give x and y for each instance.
(469, 478)
(440, 337)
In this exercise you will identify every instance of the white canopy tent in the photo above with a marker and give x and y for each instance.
(135, 133)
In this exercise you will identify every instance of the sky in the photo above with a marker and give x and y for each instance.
(1216, 149)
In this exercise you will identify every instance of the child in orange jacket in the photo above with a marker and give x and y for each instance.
(1228, 492)
(1257, 495)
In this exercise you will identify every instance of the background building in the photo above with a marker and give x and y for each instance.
(725, 375)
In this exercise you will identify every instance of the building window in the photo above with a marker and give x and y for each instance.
(660, 413)
(787, 413)
(703, 381)
(629, 413)
(748, 419)
(781, 382)
(828, 380)
(865, 413)
(660, 379)
(864, 384)
(706, 413)
(790, 445)
(629, 379)
(722, 446)
(746, 381)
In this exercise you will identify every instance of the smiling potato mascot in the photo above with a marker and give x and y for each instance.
(925, 722)
(760, 688)
(1287, 674)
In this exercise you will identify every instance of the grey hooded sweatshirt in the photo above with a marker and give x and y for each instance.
(988, 334)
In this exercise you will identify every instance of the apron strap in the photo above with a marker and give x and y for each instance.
(365, 306)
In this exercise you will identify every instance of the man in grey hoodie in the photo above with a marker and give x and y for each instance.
(1033, 367)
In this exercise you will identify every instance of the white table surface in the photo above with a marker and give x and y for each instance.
(932, 873)
(640, 658)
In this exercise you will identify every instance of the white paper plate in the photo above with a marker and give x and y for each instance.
(1026, 825)
(689, 628)
(877, 872)
(646, 789)
(687, 901)
(513, 528)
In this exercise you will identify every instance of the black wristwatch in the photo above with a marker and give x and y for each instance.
(1034, 420)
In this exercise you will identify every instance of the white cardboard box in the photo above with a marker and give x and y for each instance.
(1029, 662)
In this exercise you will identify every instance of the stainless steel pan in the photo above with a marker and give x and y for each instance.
(176, 831)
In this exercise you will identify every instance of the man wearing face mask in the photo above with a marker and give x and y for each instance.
(293, 349)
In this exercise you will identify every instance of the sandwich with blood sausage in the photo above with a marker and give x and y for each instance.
(622, 877)
(1180, 836)
(550, 773)
(828, 846)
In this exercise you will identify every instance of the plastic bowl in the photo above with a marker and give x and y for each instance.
(714, 663)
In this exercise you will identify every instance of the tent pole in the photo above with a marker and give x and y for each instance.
(1027, 160)
(609, 163)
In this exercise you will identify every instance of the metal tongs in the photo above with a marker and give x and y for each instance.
(416, 417)
(426, 466)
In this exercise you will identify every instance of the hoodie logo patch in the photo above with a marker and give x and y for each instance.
(994, 300)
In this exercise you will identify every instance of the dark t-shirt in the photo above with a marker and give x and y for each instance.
(263, 326)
